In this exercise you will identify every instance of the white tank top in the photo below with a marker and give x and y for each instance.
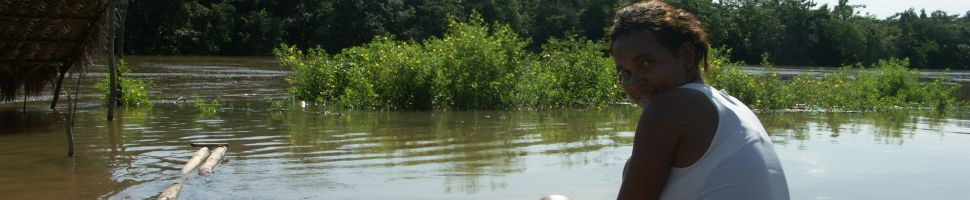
(740, 163)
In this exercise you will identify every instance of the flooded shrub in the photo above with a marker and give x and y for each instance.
(476, 67)
(757, 91)
(571, 72)
(473, 66)
(134, 92)
(888, 84)
(892, 84)
(276, 104)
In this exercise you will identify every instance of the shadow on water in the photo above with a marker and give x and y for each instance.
(15, 121)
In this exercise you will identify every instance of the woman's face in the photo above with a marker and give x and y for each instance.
(646, 67)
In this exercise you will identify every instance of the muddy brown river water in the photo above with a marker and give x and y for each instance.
(293, 152)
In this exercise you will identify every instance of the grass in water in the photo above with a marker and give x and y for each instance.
(134, 92)
(277, 104)
(206, 106)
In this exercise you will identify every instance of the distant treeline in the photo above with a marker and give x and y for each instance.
(788, 32)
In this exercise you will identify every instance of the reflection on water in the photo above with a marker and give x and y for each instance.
(890, 127)
(15, 121)
(320, 153)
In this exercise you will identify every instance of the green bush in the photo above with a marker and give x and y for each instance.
(570, 73)
(134, 92)
(888, 84)
(472, 67)
(475, 66)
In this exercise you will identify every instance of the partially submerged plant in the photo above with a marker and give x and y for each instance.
(134, 92)
(207, 106)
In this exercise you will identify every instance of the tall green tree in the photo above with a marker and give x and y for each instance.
(789, 32)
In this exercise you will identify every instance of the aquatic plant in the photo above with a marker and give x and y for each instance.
(277, 104)
(134, 92)
(206, 106)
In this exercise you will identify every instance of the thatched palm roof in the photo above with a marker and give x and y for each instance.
(40, 38)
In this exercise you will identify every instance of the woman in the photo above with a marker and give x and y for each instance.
(692, 141)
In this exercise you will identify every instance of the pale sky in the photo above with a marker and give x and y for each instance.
(886, 8)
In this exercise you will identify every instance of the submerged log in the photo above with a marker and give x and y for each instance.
(172, 192)
(195, 161)
(212, 161)
(210, 145)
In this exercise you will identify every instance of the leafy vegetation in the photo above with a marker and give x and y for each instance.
(276, 104)
(206, 106)
(802, 32)
(477, 67)
(789, 32)
(888, 84)
(471, 67)
(134, 92)
(571, 72)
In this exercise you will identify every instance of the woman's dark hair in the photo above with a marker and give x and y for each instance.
(670, 26)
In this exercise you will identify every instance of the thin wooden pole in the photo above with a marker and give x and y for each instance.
(69, 123)
(113, 69)
(113, 86)
(60, 81)
(117, 21)
(120, 35)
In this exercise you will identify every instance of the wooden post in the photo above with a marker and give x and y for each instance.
(212, 161)
(113, 73)
(120, 33)
(69, 123)
(113, 91)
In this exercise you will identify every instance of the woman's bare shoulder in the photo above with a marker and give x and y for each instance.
(680, 105)
(690, 117)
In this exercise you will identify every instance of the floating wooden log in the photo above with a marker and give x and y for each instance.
(210, 145)
(212, 161)
(197, 159)
(172, 192)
